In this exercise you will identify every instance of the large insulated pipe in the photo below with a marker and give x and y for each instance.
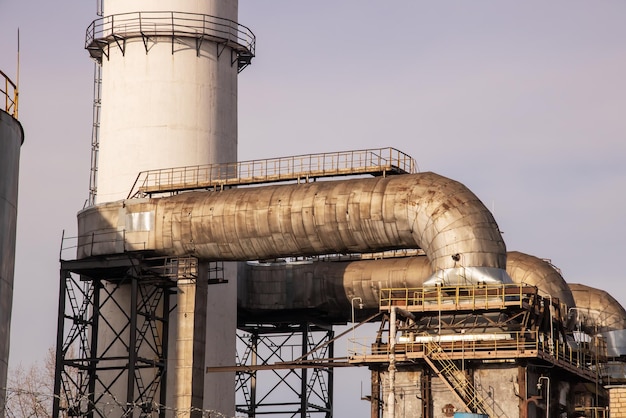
(441, 216)
(598, 309)
(597, 312)
(326, 289)
(534, 271)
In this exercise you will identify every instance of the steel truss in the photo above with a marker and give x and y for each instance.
(112, 341)
(290, 384)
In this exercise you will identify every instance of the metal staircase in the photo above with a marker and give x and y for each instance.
(457, 382)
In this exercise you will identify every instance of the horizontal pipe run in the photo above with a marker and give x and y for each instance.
(441, 216)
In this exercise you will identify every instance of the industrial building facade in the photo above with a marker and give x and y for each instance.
(520, 342)
(181, 245)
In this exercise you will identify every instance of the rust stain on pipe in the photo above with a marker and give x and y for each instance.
(425, 210)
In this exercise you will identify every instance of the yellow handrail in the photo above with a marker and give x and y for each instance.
(10, 93)
(291, 168)
(466, 296)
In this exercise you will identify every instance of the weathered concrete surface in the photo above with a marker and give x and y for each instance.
(497, 384)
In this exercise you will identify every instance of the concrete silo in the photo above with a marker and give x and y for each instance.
(11, 138)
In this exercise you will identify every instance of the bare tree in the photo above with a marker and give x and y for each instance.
(30, 390)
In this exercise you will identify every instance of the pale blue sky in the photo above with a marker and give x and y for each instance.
(523, 102)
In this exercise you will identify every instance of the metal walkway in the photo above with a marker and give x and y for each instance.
(149, 26)
(523, 304)
(300, 168)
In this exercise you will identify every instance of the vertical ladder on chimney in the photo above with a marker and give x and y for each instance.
(95, 132)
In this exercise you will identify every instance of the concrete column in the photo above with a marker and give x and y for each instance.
(190, 346)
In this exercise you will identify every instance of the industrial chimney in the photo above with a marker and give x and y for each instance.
(167, 97)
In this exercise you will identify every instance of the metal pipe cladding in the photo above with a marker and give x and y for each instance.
(441, 216)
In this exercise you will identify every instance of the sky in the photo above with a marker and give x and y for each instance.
(523, 102)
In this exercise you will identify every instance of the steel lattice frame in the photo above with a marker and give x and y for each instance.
(87, 299)
(294, 392)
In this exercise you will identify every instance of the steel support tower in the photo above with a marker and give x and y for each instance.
(87, 300)
(284, 370)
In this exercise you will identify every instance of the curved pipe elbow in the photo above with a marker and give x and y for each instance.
(424, 210)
